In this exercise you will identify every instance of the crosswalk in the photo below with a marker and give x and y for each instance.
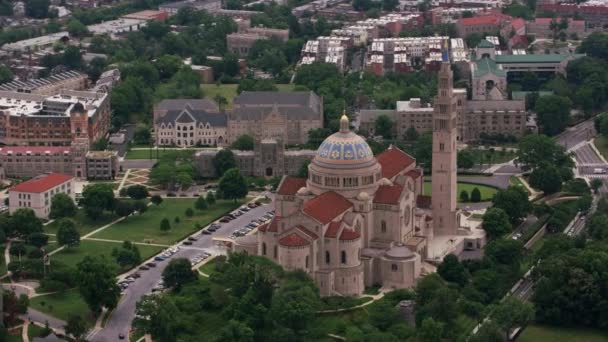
(598, 176)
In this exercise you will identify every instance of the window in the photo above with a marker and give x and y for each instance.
(327, 257)
(306, 262)
(441, 147)
(276, 252)
(383, 226)
(264, 248)
(394, 267)
(343, 257)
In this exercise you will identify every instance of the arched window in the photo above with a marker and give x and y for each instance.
(343, 257)
(383, 226)
(276, 252)
(264, 248)
(327, 257)
(394, 267)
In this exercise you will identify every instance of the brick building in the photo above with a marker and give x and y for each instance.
(72, 80)
(241, 42)
(37, 193)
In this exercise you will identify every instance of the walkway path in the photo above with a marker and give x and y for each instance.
(92, 233)
(41, 318)
(118, 241)
(24, 335)
(374, 298)
(124, 178)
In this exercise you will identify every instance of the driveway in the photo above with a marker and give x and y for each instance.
(121, 318)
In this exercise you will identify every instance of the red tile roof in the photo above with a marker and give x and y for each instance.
(518, 23)
(349, 234)
(273, 226)
(332, 229)
(263, 228)
(388, 194)
(35, 149)
(38, 185)
(423, 201)
(293, 240)
(519, 40)
(326, 207)
(484, 20)
(291, 185)
(415, 173)
(547, 21)
(394, 161)
(310, 233)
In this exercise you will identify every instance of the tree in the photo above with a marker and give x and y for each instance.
(210, 198)
(140, 206)
(96, 283)
(504, 251)
(127, 255)
(67, 234)
(547, 179)
(383, 315)
(596, 184)
(62, 205)
(514, 201)
(244, 143)
(496, 223)
(142, 135)
(158, 316)
(389, 5)
(24, 222)
(597, 226)
(553, 113)
(38, 9)
(76, 326)
(165, 225)
(6, 75)
(178, 272)
(452, 270)
(189, 212)
(137, 192)
(411, 134)
(76, 28)
(223, 161)
(430, 330)
(201, 203)
(475, 195)
(124, 208)
(317, 136)
(303, 170)
(96, 199)
(72, 57)
(511, 313)
(236, 331)
(38, 240)
(465, 159)
(464, 196)
(384, 126)
(156, 199)
(423, 150)
(232, 185)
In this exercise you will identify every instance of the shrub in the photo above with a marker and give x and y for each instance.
(35, 254)
(464, 196)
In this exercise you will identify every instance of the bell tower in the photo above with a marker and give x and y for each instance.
(443, 201)
(79, 122)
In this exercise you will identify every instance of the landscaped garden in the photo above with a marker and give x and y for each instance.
(72, 256)
(62, 305)
(487, 192)
(152, 153)
(537, 332)
(84, 224)
(146, 227)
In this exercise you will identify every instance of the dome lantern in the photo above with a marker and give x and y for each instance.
(344, 124)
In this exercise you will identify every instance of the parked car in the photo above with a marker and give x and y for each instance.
(206, 232)
(143, 268)
(151, 264)
(187, 243)
(224, 220)
(159, 258)
(211, 229)
(192, 239)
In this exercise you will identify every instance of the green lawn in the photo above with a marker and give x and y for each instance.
(34, 331)
(72, 256)
(83, 223)
(601, 143)
(62, 305)
(146, 227)
(537, 333)
(145, 154)
(229, 90)
(486, 191)
(209, 267)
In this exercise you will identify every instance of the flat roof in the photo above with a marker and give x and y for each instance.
(536, 58)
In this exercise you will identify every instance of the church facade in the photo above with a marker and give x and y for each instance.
(361, 220)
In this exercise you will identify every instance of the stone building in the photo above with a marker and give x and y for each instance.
(268, 159)
(285, 116)
(102, 164)
(37, 193)
(241, 42)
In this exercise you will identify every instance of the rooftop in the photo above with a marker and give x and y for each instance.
(393, 161)
(290, 185)
(388, 194)
(536, 58)
(326, 207)
(293, 240)
(487, 65)
(42, 184)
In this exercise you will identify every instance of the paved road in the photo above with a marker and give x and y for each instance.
(577, 134)
(39, 317)
(586, 155)
(137, 164)
(129, 131)
(121, 317)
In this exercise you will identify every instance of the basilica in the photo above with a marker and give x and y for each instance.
(361, 220)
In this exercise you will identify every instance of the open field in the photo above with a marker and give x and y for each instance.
(487, 192)
(72, 256)
(537, 332)
(84, 224)
(62, 305)
(146, 227)
(152, 153)
(229, 90)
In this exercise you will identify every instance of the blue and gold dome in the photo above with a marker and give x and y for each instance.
(344, 149)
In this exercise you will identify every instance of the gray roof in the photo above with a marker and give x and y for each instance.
(199, 116)
(300, 105)
(194, 104)
(258, 113)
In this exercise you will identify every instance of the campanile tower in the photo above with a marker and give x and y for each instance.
(443, 203)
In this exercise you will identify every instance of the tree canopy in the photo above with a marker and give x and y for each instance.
(232, 185)
(96, 283)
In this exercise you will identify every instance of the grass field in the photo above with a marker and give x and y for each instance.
(62, 305)
(601, 143)
(209, 267)
(146, 227)
(537, 332)
(34, 331)
(84, 225)
(145, 154)
(486, 191)
(72, 256)
(229, 90)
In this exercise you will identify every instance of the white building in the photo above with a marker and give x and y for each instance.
(37, 193)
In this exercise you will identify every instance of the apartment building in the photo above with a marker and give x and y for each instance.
(37, 193)
(241, 42)
(404, 54)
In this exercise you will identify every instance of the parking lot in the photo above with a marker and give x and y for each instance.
(147, 280)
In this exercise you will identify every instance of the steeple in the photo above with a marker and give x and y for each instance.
(344, 123)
